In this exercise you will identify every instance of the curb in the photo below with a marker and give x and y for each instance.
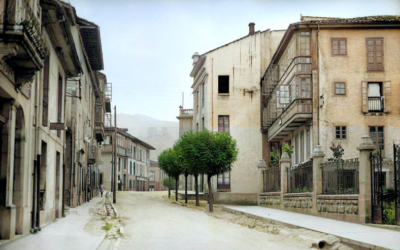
(350, 242)
(114, 209)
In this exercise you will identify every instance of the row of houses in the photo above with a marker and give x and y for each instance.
(321, 81)
(54, 103)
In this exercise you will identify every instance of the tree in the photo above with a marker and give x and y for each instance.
(218, 152)
(178, 148)
(167, 182)
(168, 161)
(193, 153)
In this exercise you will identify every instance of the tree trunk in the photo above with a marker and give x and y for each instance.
(176, 187)
(186, 176)
(169, 187)
(210, 194)
(196, 187)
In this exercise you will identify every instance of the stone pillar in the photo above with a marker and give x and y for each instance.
(364, 180)
(10, 155)
(318, 157)
(261, 167)
(284, 164)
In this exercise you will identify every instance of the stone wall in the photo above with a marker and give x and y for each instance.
(339, 207)
(235, 198)
(298, 201)
(269, 199)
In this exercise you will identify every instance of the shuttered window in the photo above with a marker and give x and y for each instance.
(374, 54)
(223, 123)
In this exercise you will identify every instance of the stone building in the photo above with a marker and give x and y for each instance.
(226, 89)
(156, 177)
(333, 80)
(133, 161)
(45, 54)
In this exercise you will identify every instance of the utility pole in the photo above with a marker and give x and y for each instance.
(115, 156)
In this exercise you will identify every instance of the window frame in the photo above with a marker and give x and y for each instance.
(338, 39)
(382, 54)
(334, 88)
(224, 185)
(219, 83)
(340, 126)
(376, 142)
(223, 124)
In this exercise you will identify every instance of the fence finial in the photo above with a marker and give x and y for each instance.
(261, 164)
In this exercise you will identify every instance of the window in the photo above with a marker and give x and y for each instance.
(340, 132)
(151, 176)
(197, 101)
(223, 84)
(301, 146)
(223, 123)
(224, 181)
(377, 137)
(202, 94)
(134, 168)
(202, 123)
(374, 54)
(197, 127)
(304, 43)
(305, 85)
(340, 88)
(375, 98)
(339, 46)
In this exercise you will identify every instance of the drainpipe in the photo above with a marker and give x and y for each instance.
(318, 87)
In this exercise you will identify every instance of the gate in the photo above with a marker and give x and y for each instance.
(396, 161)
(377, 183)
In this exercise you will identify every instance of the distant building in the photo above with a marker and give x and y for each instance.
(156, 177)
(226, 90)
(133, 161)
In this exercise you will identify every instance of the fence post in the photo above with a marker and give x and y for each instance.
(261, 167)
(285, 164)
(364, 197)
(318, 157)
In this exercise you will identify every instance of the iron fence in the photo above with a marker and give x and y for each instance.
(340, 177)
(272, 180)
(300, 177)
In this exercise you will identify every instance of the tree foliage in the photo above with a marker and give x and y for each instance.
(169, 183)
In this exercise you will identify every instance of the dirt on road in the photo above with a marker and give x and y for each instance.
(151, 220)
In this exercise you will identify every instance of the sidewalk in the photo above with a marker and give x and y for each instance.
(360, 235)
(65, 233)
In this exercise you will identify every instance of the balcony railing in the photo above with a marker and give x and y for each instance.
(186, 112)
(376, 104)
(299, 109)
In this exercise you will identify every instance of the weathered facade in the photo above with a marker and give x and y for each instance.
(156, 177)
(44, 56)
(227, 99)
(332, 81)
(133, 161)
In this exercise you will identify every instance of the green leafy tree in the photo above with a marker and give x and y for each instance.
(275, 157)
(219, 151)
(168, 161)
(193, 152)
(178, 149)
(169, 183)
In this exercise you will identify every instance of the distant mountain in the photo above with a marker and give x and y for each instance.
(159, 134)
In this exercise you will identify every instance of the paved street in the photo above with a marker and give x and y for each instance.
(64, 234)
(154, 224)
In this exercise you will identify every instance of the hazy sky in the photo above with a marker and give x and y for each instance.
(148, 44)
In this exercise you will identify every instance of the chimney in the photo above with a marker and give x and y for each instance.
(195, 58)
(251, 28)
